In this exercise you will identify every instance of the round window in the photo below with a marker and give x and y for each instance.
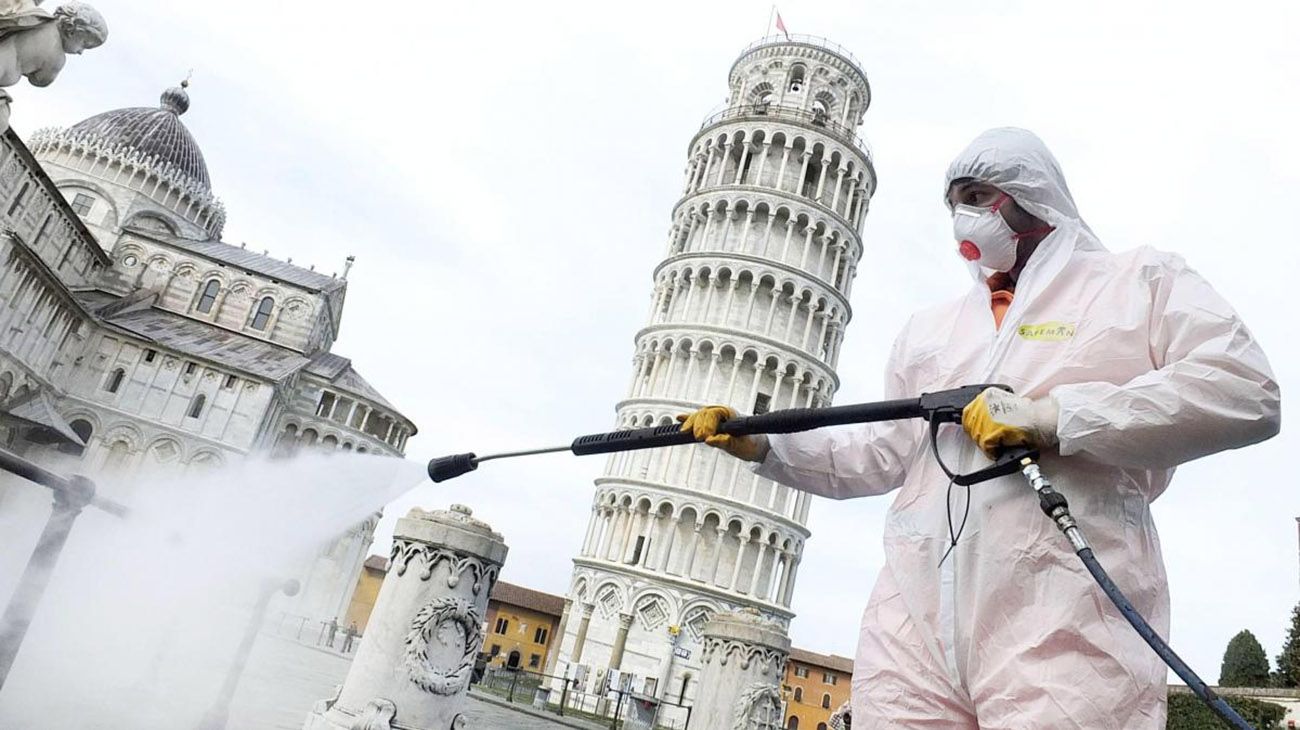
(129, 260)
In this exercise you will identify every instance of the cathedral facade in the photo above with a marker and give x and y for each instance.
(132, 338)
(749, 308)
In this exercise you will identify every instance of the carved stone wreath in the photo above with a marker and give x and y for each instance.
(424, 627)
(752, 699)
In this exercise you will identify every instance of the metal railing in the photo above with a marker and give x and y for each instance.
(562, 696)
(809, 40)
(781, 111)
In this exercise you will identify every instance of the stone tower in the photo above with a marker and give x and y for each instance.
(749, 309)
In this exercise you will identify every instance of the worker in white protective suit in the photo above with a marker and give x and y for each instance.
(1123, 366)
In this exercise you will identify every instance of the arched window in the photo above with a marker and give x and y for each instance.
(821, 726)
(792, 723)
(760, 96)
(798, 694)
(209, 296)
(826, 702)
(263, 314)
(118, 454)
(796, 78)
(83, 429)
(114, 380)
(285, 442)
(196, 408)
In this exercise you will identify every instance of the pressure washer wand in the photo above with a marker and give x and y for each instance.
(941, 407)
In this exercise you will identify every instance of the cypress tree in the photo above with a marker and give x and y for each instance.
(1288, 662)
(1244, 663)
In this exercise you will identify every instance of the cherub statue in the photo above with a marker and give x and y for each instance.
(35, 43)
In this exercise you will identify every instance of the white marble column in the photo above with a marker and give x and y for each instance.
(444, 565)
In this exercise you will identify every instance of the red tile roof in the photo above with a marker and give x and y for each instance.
(824, 661)
(514, 595)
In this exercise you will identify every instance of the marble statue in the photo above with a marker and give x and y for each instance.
(35, 43)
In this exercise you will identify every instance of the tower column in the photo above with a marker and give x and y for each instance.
(717, 555)
(839, 181)
(695, 544)
(665, 553)
(789, 583)
(714, 357)
(744, 231)
(580, 641)
(785, 158)
(722, 163)
(740, 558)
(740, 165)
(620, 641)
(554, 655)
(651, 523)
(805, 158)
(758, 568)
(762, 161)
(821, 179)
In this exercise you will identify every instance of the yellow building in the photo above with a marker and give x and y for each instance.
(363, 598)
(815, 685)
(521, 625)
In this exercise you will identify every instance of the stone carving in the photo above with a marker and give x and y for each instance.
(426, 625)
(759, 706)
(34, 43)
(770, 659)
(377, 715)
(405, 552)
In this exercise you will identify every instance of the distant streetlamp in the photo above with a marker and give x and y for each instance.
(217, 715)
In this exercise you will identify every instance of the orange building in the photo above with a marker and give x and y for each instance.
(521, 625)
(815, 686)
(363, 598)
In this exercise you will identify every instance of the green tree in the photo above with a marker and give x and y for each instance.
(1244, 663)
(1288, 662)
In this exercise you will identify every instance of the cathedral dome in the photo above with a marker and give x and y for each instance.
(155, 134)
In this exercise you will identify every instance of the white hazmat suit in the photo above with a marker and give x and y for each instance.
(1151, 368)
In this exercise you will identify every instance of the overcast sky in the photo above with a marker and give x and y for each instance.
(504, 174)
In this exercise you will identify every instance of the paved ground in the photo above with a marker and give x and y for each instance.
(285, 678)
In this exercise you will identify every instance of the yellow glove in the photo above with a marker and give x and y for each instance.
(996, 419)
(704, 425)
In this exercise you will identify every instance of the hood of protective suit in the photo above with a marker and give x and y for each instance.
(1017, 162)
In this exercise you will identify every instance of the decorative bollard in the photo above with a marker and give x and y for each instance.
(740, 683)
(416, 658)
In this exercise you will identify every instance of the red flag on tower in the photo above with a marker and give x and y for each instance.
(781, 26)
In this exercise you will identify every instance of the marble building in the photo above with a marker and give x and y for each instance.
(132, 338)
(749, 308)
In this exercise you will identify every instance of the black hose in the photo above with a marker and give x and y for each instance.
(1197, 685)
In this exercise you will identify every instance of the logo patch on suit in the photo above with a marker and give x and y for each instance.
(1047, 331)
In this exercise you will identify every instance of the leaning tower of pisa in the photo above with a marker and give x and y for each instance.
(749, 308)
